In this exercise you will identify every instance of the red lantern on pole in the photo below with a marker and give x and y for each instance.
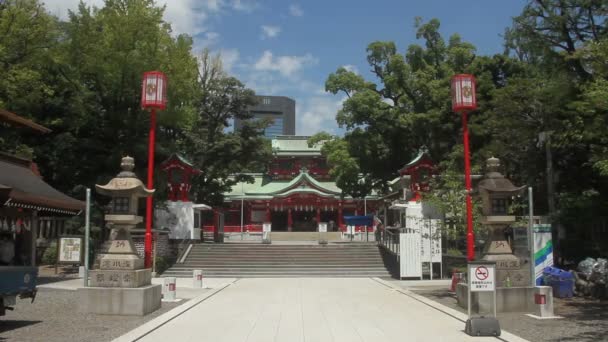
(153, 97)
(463, 100)
(154, 90)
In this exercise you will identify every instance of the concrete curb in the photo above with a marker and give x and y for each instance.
(148, 327)
(504, 336)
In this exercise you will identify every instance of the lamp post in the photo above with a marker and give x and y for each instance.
(463, 100)
(153, 97)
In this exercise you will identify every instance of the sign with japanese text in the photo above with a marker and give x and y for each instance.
(70, 250)
(482, 277)
(430, 246)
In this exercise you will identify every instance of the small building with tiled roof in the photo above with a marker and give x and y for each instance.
(32, 212)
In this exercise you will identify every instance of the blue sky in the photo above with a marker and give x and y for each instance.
(290, 47)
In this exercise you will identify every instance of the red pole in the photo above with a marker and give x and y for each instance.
(149, 200)
(467, 181)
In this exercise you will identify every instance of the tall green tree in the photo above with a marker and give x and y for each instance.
(28, 35)
(224, 156)
(82, 79)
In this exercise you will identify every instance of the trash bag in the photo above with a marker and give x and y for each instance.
(599, 271)
(585, 267)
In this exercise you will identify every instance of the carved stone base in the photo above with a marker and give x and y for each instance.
(121, 278)
(510, 267)
(121, 262)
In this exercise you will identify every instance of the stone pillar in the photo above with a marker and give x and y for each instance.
(289, 220)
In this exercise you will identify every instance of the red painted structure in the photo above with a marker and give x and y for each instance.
(295, 194)
(153, 97)
(420, 171)
(179, 177)
(463, 100)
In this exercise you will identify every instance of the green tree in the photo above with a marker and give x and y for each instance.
(90, 70)
(221, 153)
(27, 37)
(344, 168)
(387, 123)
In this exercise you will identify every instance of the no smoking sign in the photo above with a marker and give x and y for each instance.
(481, 278)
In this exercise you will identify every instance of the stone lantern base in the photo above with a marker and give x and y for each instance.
(120, 301)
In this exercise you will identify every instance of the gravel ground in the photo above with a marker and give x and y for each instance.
(54, 317)
(585, 320)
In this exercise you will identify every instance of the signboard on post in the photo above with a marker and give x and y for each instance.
(430, 247)
(70, 250)
(482, 278)
(322, 233)
(543, 250)
(266, 229)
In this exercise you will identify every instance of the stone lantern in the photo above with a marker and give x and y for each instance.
(125, 190)
(496, 193)
(122, 285)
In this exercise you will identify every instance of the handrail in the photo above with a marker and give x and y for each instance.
(390, 240)
(183, 257)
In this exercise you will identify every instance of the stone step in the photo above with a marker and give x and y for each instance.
(281, 275)
(258, 260)
(285, 262)
(187, 274)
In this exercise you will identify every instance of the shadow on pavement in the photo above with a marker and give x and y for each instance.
(8, 325)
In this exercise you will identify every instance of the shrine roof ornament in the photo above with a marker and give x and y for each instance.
(125, 182)
(176, 159)
(422, 157)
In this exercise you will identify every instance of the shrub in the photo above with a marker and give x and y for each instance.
(161, 265)
(50, 255)
(454, 252)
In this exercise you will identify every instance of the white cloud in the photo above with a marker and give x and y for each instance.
(185, 16)
(213, 5)
(208, 39)
(351, 68)
(295, 10)
(285, 65)
(245, 6)
(229, 58)
(269, 31)
(316, 114)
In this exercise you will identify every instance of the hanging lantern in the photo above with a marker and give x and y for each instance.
(154, 90)
(463, 93)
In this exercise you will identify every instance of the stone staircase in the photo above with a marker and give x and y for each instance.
(248, 260)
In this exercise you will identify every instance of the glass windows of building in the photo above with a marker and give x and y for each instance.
(266, 100)
(275, 128)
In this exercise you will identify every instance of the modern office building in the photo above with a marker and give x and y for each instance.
(280, 109)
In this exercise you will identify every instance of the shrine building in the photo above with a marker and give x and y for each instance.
(295, 194)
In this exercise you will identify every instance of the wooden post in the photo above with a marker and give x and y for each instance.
(34, 228)
(340, 215)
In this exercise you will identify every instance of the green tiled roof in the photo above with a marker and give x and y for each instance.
(263, 188)
(294, 146)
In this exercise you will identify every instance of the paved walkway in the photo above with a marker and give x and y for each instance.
(307, 309)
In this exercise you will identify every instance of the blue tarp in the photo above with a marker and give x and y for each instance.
(359, 220)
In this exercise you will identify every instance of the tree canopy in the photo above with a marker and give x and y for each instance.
(82, 78)
(541, 108)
